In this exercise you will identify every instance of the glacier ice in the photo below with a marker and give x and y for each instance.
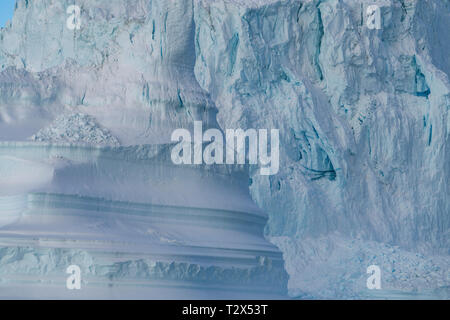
(75, 128)
(364, 145)
(365, 120)
(86, 175)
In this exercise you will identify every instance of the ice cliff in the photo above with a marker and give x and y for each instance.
(362, 114)
(365, 132)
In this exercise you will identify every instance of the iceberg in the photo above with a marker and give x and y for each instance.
(87, 179)
(86, 174)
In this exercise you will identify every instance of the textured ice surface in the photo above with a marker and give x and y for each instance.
(363, 119)
(76, 128)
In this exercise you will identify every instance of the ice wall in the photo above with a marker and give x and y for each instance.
(363, 118)
(94, 185)
(130, 65)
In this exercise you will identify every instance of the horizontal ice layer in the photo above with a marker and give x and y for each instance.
(142, 174)
(128, 217)
(11, 208)
(19, 176)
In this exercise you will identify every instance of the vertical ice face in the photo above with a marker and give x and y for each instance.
(130, 65)
(363, 119)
